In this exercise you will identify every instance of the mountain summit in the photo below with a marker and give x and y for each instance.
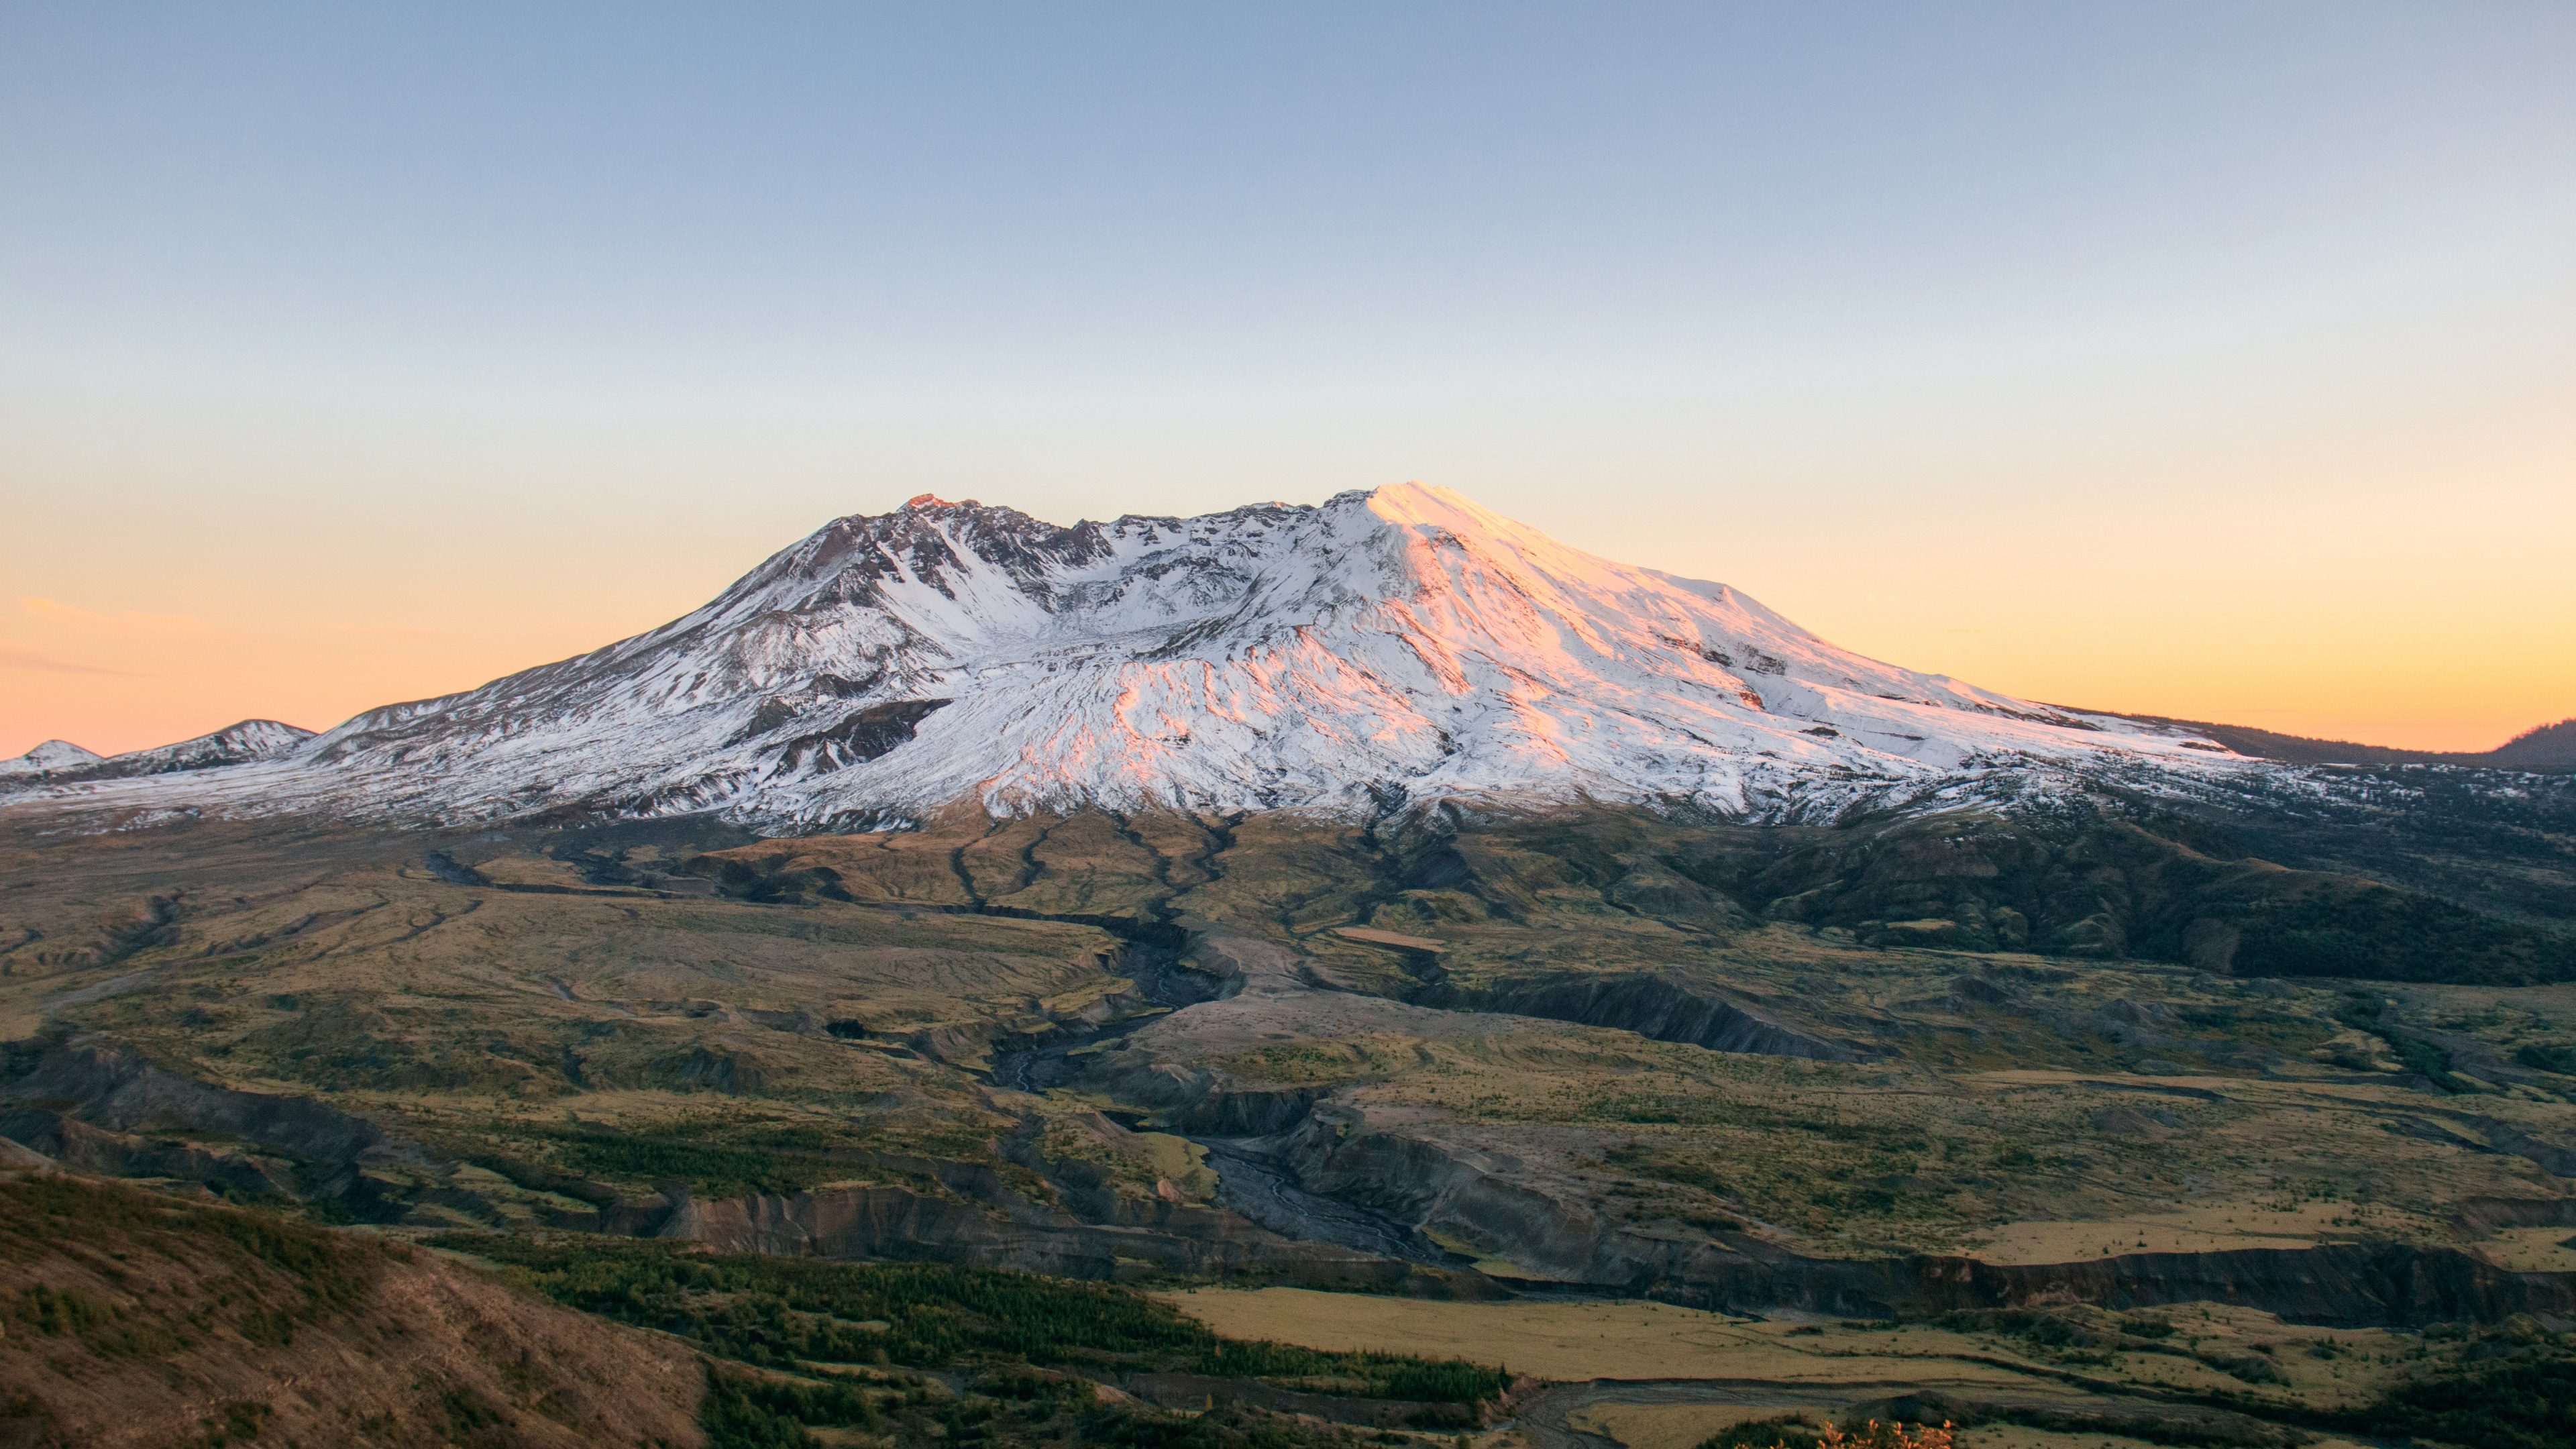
(1401, 644)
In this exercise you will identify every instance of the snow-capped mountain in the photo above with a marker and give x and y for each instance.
(1401, 644)
(252, 739)
(51, 757)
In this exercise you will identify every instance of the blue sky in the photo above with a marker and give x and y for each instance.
(526, 326)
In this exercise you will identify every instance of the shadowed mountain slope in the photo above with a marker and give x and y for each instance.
(2541, 750)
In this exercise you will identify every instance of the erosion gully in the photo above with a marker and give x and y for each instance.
(1248, 1181)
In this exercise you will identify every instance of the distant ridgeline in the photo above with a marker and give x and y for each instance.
(2541, 750)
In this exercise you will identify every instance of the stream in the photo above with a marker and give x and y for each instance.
(1160, 978)
(1269, 1196)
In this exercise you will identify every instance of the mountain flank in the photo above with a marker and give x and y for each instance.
(61, 762)
(138, 1320)
(1401, 644)
(2548, 749)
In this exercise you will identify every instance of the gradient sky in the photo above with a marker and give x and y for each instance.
(2214, 360)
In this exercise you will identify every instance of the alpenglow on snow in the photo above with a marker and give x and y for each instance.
(1387, 647)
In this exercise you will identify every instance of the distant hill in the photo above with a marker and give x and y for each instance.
(2543, 749)
(61, 761)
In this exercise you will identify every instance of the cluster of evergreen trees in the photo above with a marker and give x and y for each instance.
(777, 1311)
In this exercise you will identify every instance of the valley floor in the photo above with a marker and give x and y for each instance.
(1510, 1078)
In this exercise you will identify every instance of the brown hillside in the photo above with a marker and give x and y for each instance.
(130, 1319)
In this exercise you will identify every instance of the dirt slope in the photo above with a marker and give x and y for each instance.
(135, 1320)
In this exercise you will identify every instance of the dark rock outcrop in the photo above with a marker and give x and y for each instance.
(76, 1144)
(1660, 1007)
(2338, 1285)
(116, 1088)
(896, 1222)
(863, 735)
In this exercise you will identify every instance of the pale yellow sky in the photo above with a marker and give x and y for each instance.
(2215, 361)
(2379, 553)
(2408, 598)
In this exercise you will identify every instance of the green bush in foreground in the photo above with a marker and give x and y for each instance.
(2524, 1401)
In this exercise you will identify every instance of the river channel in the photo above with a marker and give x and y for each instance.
(1260, 1190)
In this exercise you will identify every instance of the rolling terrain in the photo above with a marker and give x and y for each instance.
(1366, 899)
(1541, 1056)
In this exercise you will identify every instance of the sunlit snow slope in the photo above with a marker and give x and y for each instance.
(46, 758)
(1390, 646)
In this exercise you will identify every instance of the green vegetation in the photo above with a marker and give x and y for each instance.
(1790, 1431)
(2503, 1395)
(41, 1218)
(2510, 1387)
(2426, 1060)
(2541, 1058)
(782, 1312)
(997, 1408)
(2362, 1012)
(2081, 1338)
(2500, 1392)
(1812, 1186)
(2141, 884)
(717, 1159)
(741, 1412)
(2196, 1432)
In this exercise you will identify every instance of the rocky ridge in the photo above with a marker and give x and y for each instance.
(1387, 646)
(62, 762)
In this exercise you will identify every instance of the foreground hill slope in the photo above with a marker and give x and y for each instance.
(139, 1320)
(1383, 646)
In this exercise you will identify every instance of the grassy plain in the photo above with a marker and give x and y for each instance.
(1669, 1378)
(1645, 1340)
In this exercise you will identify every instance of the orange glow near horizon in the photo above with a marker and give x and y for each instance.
(2318, 640)
(130, 680)
(2215, 362)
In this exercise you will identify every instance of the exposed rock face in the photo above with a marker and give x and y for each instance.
(60, 762)
(74, 1143)
(1408, 1166)
(1480, 1197)
(118, 1089)
(1484, 1197)
(893, 1222)
(1384, 647)
(1333, 1078)
(1659, 1007)
(106, 1109)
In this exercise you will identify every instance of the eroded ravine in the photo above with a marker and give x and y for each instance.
(1261, 1192)
(1151, 958)
(1269, 1196)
